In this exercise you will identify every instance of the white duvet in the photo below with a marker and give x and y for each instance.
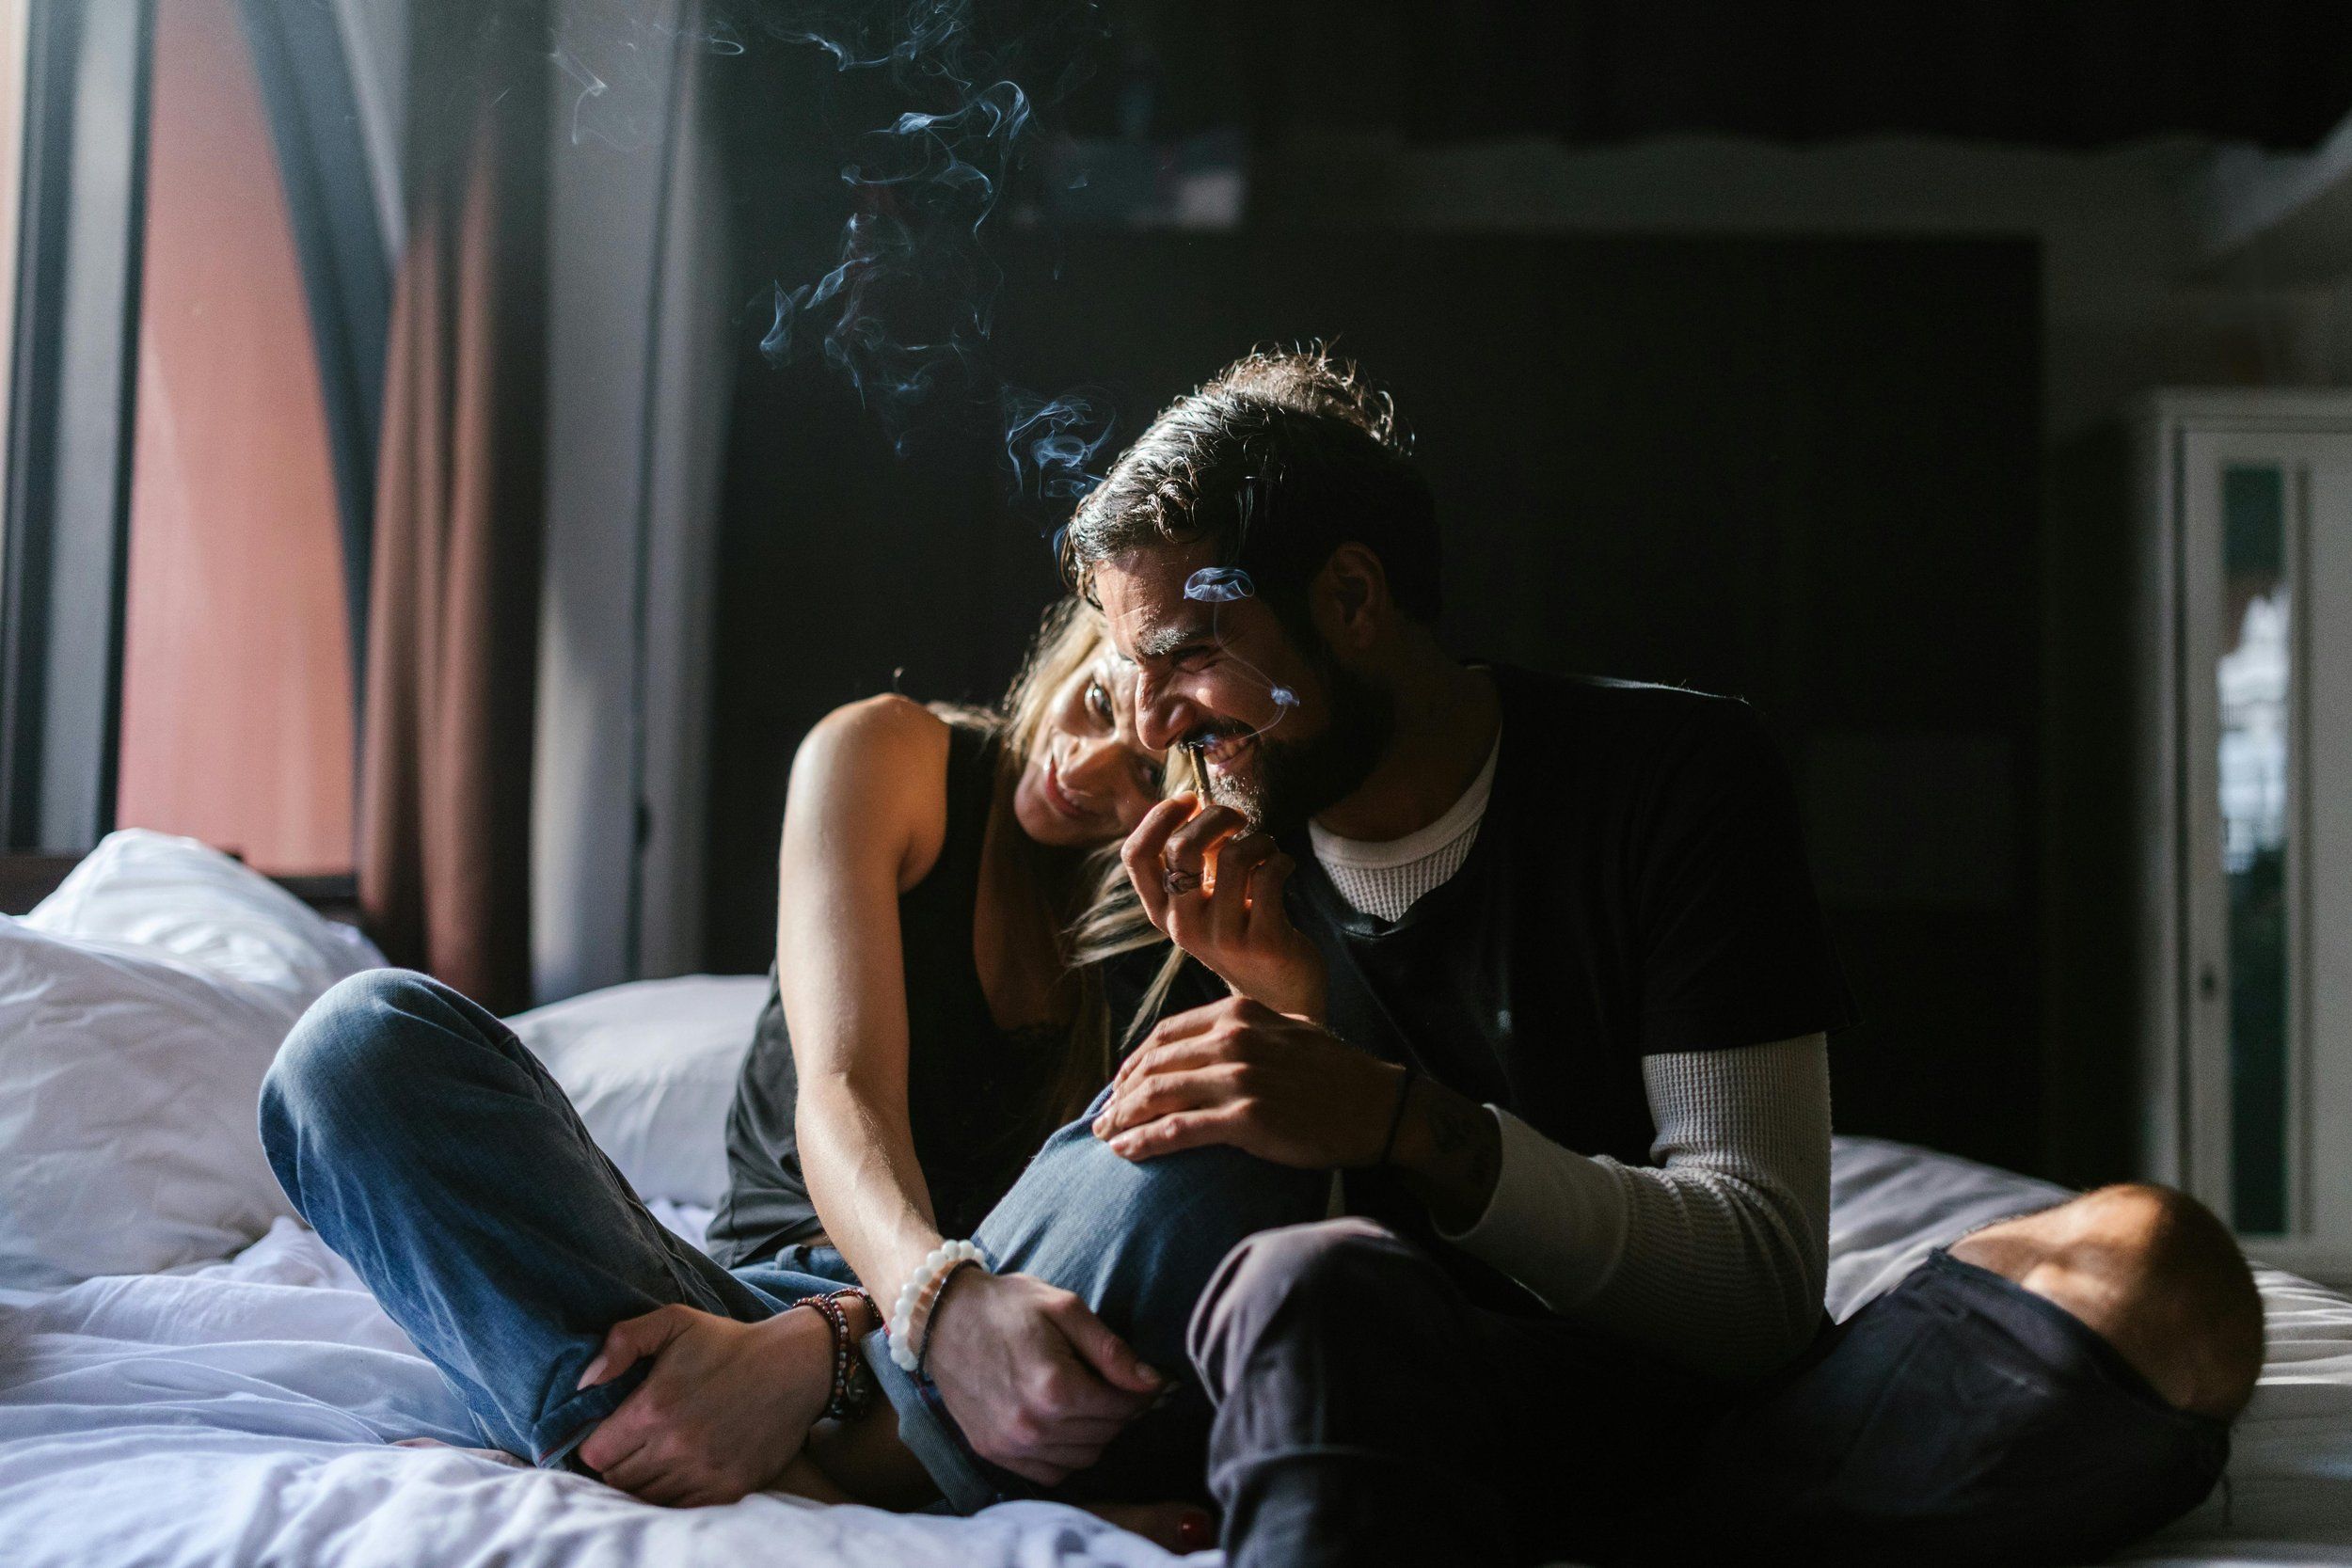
(247, 1412)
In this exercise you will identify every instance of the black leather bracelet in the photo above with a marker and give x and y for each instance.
(1396, 1119)
(922, 1356)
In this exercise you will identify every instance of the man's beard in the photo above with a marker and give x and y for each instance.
(1293, 779)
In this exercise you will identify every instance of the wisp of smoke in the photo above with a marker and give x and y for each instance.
(908, 302)
(1052, 441)
(1217, 586)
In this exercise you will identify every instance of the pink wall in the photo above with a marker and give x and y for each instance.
(236, 696)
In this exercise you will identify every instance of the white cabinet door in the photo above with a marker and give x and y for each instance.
(2327, 948)
(2265, 814)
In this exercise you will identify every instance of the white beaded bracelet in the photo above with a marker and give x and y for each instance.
(911, 1314)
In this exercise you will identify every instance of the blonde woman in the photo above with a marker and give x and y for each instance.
(930, 1025)
(927, 1025)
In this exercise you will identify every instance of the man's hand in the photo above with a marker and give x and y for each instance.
(723, 1410)
(1238, 1073)
(1037, 1383)
(1214, 890)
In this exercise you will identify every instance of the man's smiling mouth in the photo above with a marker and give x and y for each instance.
(1222, 751)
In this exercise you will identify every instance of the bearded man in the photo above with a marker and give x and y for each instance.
(1549, 982)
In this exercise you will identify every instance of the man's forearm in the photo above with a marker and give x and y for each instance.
(1717, 1257)
(1727, 1242)
(1450, 1150)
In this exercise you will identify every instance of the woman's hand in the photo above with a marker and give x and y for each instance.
(1037, 1383)
(724, 1407)
(1214, 889)
(1238, 1073)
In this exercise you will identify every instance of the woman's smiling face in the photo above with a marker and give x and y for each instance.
(1087, 778)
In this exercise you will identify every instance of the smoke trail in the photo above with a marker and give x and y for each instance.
(1052, 442)
(1219, 586)
(614, 54)
(908, 305)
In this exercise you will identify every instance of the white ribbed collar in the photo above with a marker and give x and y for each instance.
(1460, 819)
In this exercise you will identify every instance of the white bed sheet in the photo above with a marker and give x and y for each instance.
(244, 1413)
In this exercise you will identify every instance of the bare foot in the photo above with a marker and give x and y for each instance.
(862, 1458)
(863, 1461)
(1177, 1528)
(2154, 1273)
(803, 1479)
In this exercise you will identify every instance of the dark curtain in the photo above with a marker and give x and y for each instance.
(2034, 72)
(445, 769)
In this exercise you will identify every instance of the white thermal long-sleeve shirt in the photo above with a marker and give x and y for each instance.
(1718, 1256)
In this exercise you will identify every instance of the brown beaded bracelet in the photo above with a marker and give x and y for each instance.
(852, 1389)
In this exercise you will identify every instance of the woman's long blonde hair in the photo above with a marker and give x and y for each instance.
(1110, 922)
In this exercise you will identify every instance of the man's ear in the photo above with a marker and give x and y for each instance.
(1349, 599)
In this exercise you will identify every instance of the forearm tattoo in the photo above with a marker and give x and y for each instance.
(1467, 1143)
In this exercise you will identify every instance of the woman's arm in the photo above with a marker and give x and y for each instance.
(725, 1407)
(1036, 1382)
(863, 821)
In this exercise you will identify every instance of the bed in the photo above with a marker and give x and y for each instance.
(258, 1408)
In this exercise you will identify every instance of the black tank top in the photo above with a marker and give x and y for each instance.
(974, 1091)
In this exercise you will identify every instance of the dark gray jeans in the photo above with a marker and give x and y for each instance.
(1368, 1412)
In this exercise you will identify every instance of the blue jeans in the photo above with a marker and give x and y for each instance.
(431, 1149)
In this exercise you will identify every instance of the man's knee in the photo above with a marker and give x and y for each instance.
(1303, 1274)
(2156, 1273)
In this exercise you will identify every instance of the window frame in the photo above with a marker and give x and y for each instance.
(73, 377)
(74, 371)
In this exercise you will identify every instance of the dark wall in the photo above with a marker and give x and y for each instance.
(2095, 877)
(2026, 71)
(1802, 471)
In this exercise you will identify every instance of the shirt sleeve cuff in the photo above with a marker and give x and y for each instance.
(1556, 1221)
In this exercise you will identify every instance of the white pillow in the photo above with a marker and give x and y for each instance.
(140, 1004)
(128, 1082)
(651, 1068)
(179, 897)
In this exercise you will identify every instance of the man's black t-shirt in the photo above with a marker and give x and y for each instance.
(1638, 886)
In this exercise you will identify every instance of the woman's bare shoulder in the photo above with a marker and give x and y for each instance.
(883, 758)
(886, 722)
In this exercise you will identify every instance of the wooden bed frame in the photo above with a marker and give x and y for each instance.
(26, 879)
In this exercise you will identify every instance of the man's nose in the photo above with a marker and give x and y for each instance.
(1162, 716)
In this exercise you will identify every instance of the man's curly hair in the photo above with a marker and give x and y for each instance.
(1278, 459)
